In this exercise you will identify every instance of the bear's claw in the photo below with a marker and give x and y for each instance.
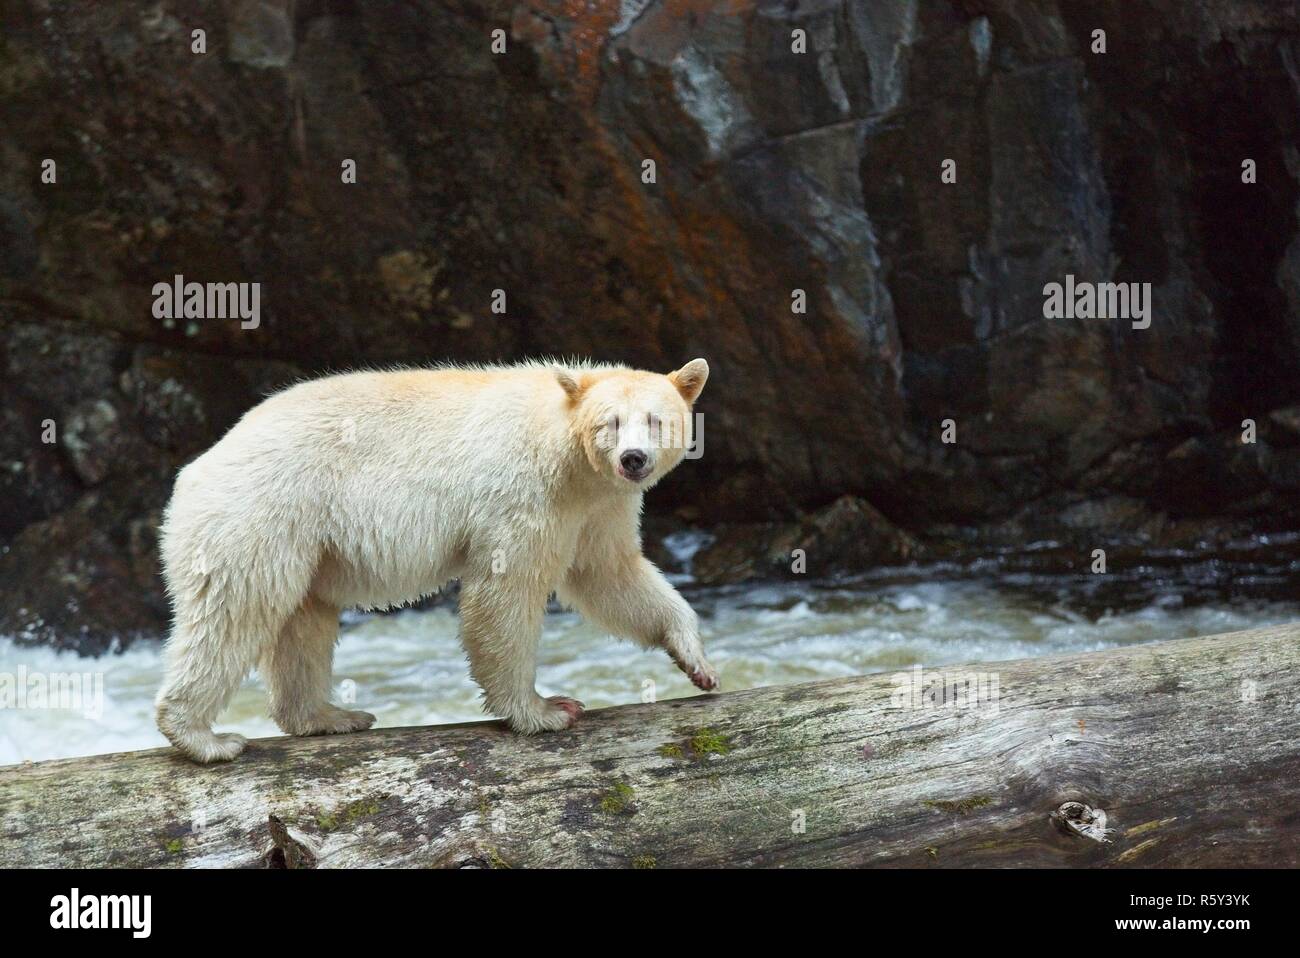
(704, 680)
(572, 706)
(703, 675)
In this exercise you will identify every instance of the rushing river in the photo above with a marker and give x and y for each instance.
(407, 667)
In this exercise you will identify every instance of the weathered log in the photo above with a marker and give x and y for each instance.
(1188, 747)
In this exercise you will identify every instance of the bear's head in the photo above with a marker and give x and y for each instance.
(634, 426)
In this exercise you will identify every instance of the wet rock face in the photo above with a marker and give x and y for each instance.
(94, 431)
(797, 233)
(847, 536)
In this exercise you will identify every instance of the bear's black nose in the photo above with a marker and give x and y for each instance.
(633, 460)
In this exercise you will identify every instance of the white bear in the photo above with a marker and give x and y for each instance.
(371, 489)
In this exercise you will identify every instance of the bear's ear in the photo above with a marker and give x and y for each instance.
(572, 385)
(690, 379)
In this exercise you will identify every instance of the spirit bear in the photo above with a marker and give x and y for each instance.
(371, 489)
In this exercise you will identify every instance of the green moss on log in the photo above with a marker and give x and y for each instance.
(708, 742)
(617, 800)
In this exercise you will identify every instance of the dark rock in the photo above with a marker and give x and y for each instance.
(1288, 422)
(59, 364)
(183, 402)
(847, 537)
(261, 32)
(18, 249)
(87, 578)
(1284, 470)
(1210, 474)
(92, 439)
(34, 480)
(81, 568)
(1110, 514)
(776, 172)
(739, 552)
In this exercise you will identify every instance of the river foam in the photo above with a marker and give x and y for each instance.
(407, 668)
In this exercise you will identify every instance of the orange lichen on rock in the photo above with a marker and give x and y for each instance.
(585, 26)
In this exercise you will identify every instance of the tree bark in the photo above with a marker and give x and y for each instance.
(1189, 748)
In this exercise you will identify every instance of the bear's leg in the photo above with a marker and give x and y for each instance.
(500, 626)
(297, 668)
(631, 598)
(205, 660)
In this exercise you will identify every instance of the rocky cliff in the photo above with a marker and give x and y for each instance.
(798, 232)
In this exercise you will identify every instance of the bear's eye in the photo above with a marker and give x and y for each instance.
(612, 423)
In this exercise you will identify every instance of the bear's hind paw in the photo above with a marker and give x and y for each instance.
(208, 748)
(333, 721)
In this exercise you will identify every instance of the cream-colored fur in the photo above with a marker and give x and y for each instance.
(371, 489)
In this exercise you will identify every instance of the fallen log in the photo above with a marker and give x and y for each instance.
(1181, 753)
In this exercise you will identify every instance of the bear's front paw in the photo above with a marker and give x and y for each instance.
(551, 714)
(572, 706)
(705, 677)
(697, 668)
